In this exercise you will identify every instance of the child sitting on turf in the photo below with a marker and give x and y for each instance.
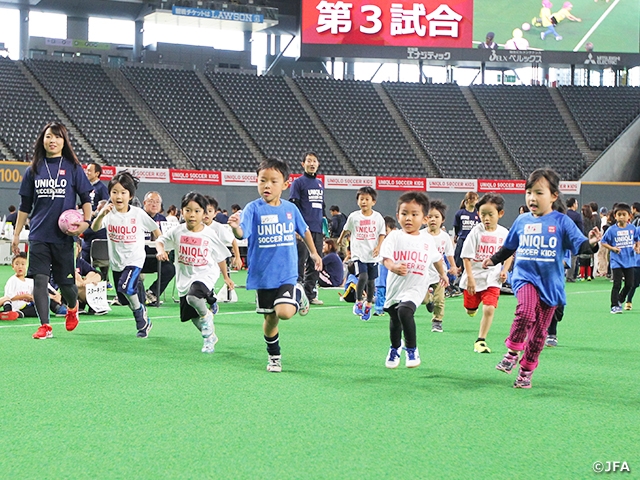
(539, 239)
(483, 285)
(126, 227)
(408, 255)
(381, 280)
(17, 301)
(366, 230)
(270, 224)
(435, 297)
(619, 239)
(201, 256)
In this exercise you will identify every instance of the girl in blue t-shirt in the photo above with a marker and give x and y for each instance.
(539, 239)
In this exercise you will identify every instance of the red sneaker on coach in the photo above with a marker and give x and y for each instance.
(71, 318)
(44, 331)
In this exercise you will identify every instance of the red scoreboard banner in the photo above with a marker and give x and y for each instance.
(425, 23)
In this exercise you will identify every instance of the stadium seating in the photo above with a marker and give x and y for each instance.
(192, 117)
(23, 113)
(100, 112)
(447, 128)
(531, 128)
(269, 111)
(356, 117)
(602, 113)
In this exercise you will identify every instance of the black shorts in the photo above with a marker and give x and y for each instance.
(57, 258)
(268, 298)
(128, 282)
(199, 290)
(370, 268)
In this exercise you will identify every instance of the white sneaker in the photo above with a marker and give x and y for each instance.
(210, 343)
(412, 357)
(207, 325)
(274, 365)
(303, 304)
(393, 357)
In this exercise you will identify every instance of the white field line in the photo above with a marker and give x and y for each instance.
(596, 25)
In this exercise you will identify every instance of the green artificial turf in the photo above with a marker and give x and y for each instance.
(100, 403)
(619, 31)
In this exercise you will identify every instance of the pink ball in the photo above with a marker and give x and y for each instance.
(68, 218)
(526, 26)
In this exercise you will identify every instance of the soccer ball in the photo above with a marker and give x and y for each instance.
(68, 218)
(526, 26)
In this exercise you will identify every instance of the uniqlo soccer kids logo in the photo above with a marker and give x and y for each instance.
(289, 216)
(63, 171)
(552, 229)
(132, 221)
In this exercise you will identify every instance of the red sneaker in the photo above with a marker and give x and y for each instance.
(9, 315)
(44, 331)
(71, 318)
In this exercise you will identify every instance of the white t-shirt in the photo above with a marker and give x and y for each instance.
(480, 245)
(419, 252)
(197, 256)
(15, 287)
(224, 232)
(444, 245)
(126, 234)
(365, 232)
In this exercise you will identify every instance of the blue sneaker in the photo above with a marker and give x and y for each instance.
(393, 358)
(143, 324)
(357, 309)
(616, 310)
(366, 314)
(214, 308)
(412, 358)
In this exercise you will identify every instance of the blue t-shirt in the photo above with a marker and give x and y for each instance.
(464, 221)
(541, 244)
(332, 272)
(309, 191)
(271, 235)
(623, 238)
(637, 239)
(52, 191)
(98, 193)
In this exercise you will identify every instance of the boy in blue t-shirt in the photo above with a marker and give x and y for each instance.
(381, 280)
(270, 225)
(620, 239)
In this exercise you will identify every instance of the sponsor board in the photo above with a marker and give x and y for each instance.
(198, 177)
(501, 186)
(348, 183)
(239, 178)
(401, 184)
(451, 185)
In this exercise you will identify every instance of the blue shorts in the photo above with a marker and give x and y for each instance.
(370, 268)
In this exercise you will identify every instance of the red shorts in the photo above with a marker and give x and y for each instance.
(488, 297)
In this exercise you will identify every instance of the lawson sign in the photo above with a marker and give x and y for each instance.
(217, 14)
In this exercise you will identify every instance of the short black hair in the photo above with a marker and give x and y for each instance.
(12, 208)
(310, 153)
(274, 163)
(390, 222)
(200, 199)
(493, 198)
(211, 201)
(636, 206)
(334, 208)
(439, 206)
(97, 167)
(128, 182)
(236, 207)
(625, 207)
(19, 255)
(367, 191)
(418, 197)
(571, 202)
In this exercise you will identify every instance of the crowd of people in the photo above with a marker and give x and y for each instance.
(384, 265)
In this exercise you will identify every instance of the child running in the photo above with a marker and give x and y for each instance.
(483, 285)
(383, 272)
(270, 224)
(619, 239)
(126, 225)
(539, 239)
(435, 297)
(225, 233)
(408, 255)
(366, 228)
(200, 257)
